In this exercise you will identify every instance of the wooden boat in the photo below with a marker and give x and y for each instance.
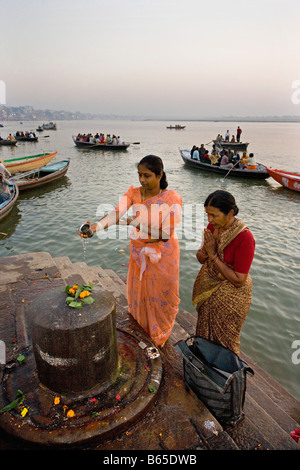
(41, 176)
(242, 146)
(177, 126)
(285, 178)
(50, 126)
(259, 173)
(98, 146)
(8, 142)
(40, 129)
(18, 165)
(6, 206)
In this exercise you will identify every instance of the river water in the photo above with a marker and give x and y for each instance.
(48, 219)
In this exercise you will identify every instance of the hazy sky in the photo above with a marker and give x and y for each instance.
(181, 58)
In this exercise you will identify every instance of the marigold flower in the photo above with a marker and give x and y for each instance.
(56, 400)
(70, 414)
(72, 291)
(24, 412)
(84, 294)
(75, 287)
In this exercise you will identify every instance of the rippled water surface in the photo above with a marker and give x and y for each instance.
(48, 219)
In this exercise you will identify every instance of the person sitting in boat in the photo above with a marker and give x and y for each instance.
(232, 139)
(234, 157)
(119, 140)
(224, 162)
(205, 158)
(4, 189)
(193, 149)
(196, 155)
(214, 156)
(10, 137)
(114, 140)
(244, 159)
(229, 153)
(202, 151)
(249, 163)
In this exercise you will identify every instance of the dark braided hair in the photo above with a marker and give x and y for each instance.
(223, 201)
(155, 164)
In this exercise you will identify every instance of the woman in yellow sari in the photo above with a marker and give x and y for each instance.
(153, 272)
(223, 288)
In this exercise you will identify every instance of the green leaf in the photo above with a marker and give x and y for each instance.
(88, 300)
(79, 290)
(19, 398)
(69, 299)
(75, 304)
(20, 358)
(152, 389)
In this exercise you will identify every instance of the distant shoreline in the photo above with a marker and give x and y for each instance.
(28, 113)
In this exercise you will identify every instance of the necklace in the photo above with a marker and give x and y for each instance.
(144, 195)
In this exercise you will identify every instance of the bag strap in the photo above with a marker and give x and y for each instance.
(196, 363)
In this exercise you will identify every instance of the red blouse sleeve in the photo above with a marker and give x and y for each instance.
(243, 253)
(240, 252)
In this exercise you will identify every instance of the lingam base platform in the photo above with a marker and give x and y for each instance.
(99, 413)
(81, 377)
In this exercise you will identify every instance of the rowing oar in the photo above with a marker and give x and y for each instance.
(231, 169)
(208, 143)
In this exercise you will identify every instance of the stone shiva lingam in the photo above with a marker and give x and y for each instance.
(83, 378)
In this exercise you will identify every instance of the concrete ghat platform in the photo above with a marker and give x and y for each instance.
(177, 420)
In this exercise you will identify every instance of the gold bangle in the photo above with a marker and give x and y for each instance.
(214, 257)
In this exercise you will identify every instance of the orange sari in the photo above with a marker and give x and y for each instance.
(153, 272)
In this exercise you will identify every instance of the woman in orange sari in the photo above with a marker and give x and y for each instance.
(223, 288)
(153, 272)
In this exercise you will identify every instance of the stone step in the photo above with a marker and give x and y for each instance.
(27, 266)
(80, 272)
(262, 412)
(262, 387)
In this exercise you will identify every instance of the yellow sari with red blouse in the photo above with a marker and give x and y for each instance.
(222, 307)
(153, 272)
